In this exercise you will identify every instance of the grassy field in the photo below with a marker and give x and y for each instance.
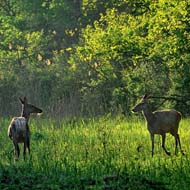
(97, 154)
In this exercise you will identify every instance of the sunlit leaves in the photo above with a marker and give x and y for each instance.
(137, 52)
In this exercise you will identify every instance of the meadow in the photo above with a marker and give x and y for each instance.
(102, 153)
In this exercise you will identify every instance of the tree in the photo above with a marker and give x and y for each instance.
(123, 55)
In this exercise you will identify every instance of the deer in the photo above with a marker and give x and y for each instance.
(18, 130)
(160, 122)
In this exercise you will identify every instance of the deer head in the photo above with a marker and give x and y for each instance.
(27, 109)
(142, 105)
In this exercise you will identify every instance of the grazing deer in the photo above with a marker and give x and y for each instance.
(160, 122)
(18, 130)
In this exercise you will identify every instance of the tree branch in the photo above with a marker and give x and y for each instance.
(177, 98)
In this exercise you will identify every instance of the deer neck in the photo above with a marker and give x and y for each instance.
(149, 116)
(26, 116)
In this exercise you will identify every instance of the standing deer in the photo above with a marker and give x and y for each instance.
(18, 130)
(160, 122)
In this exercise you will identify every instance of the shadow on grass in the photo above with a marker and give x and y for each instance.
(24, 177)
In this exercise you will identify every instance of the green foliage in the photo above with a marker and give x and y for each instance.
(34, 37)
(93, 57)
(136, 53)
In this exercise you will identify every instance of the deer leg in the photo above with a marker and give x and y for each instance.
(152, 140)
(24, 151)
(28, 144)
(163, 144)
(28, 138)
(178, 141)
(17, 150)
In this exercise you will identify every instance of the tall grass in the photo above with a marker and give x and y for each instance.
(102, 153)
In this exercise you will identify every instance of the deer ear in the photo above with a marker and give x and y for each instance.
(25, 99)
(22, 101)
(147, 96)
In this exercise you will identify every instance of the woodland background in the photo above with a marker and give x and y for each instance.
(92, 57)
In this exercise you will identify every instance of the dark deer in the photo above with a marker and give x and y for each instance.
(160, 122)
(18, 130)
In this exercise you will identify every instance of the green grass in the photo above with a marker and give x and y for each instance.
(99, 153)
